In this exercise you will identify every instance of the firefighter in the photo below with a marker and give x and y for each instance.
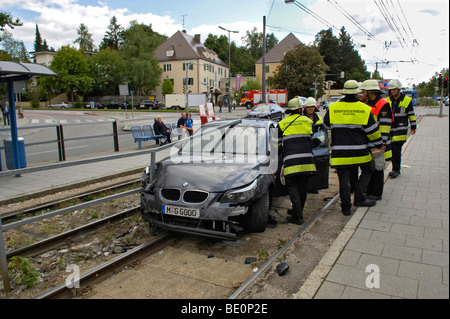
(310, 110)
(404, 117)
(352, 124)
(294, 133)
(381, 110)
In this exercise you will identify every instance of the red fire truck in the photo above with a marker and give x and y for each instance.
(253, 97)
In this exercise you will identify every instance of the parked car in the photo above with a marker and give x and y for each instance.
(212, 185)
(269, 111)
(60, 105)
(115, 105)
(97, 105)
(147, 104)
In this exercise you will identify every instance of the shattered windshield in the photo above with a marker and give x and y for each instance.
(243, 140)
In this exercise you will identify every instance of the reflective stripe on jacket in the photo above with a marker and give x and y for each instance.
(295, 133)
(403, 117)
(352, 128)
(381, 109)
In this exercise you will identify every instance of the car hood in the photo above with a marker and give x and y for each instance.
(209, 174)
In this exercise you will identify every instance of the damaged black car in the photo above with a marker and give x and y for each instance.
(221, 180)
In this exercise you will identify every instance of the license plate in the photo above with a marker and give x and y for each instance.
(181, 211)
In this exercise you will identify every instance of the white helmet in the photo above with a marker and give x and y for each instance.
(395, 84)
(350, 87)
(370, 85)
(312, 102)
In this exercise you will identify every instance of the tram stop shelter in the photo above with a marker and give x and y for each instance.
(11, 72)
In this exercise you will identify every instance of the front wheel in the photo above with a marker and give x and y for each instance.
(258, 214)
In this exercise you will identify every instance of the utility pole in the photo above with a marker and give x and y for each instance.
(229, 58)
(441, 104)
(264, 62)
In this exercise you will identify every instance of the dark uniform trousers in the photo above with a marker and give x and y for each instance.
(396, 156)
(297, 186)
(345, 176)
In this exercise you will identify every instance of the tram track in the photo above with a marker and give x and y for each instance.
(107, 269)
(98, 272)
(199, 241)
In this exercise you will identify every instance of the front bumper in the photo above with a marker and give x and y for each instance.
(217, 220)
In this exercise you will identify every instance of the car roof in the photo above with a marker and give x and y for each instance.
(244, 122)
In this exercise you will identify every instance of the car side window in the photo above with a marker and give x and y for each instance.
(319, 138)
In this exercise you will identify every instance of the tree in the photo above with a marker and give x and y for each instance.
(340, 55)
(254, 43)
(39, 43)
(298, 70)
(241, 60)
(84, 39)
(114, 37)
(72, 68)
(15, 49)
(107, 69)
(6, 20)
(138, 52)
(218, 44)
(167, 86)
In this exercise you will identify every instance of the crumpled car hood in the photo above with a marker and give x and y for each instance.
(208, 175)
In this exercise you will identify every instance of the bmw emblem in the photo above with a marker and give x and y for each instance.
(185, 184)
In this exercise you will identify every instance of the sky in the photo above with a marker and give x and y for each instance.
(408, 38)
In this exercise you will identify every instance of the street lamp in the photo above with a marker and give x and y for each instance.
(229, 56)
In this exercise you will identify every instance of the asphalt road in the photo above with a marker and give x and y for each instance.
(39, 130)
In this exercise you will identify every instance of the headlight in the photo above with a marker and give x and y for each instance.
(145, 177)
(240, 195)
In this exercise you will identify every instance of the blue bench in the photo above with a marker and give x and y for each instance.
(145, 133)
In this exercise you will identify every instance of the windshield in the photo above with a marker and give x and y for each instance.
(243, 140)
(262, 108)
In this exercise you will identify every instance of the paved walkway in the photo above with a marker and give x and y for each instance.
(400, 247)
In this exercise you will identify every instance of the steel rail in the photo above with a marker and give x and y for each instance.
(31, 210)
(56, 241)
(106, 269)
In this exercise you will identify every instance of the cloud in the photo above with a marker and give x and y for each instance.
(241, 26)
(58, 21)
(431, 12)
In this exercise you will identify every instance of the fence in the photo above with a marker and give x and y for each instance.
(60, 139)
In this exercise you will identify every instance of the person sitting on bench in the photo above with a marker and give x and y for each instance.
(161, 129)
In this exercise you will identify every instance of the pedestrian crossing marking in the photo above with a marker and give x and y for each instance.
(71, 121)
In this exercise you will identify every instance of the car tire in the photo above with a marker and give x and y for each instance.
(258, 214)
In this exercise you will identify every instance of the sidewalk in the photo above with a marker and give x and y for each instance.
(400, 247)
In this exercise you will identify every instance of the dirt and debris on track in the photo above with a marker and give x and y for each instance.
(198, 268)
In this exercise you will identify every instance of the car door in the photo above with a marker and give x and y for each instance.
(322, 159)
(321, 153)
(275, 113)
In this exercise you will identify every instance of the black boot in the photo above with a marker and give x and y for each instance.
(295, 220)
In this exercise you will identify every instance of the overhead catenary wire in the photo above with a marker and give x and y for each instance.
(409, 27)
(353, 20)
(384, 13)
(319, 18)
